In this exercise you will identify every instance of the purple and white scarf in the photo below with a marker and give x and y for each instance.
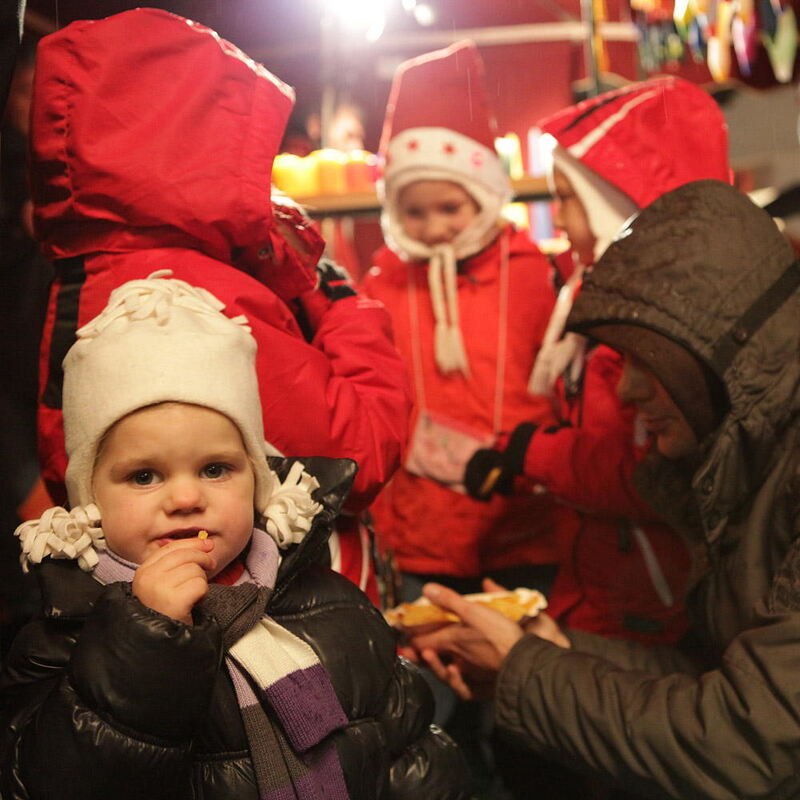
(286, 698)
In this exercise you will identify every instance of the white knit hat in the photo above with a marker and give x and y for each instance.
(157, 341)
(438, 127)
(160, 340)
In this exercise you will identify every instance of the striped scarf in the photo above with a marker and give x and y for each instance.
(285, 696)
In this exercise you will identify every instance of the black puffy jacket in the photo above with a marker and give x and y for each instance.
(104, 698)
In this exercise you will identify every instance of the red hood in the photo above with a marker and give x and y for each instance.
(150, 130)
(647, 138)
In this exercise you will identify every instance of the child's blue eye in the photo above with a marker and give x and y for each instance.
(215, 470)
(143, 477)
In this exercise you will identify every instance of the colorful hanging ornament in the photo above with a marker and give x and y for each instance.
(683, 16)
(779, 5)
(745, 36)
(644, 47)
(697, 38)
(768, 17)
(782, 48)
(673, 44)
(719, 45)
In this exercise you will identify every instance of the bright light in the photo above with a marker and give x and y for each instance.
(408, 5)
(424, 14)
(360, 16)
(375, 30)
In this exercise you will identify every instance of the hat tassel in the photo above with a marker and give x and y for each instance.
(449, 350)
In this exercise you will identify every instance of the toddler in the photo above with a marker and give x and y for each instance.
(181, 651)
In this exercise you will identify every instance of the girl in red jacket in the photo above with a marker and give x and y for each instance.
(469, 297)
(624, 572)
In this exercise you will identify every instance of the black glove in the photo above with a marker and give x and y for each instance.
(334, 281)
(334, 284)
(490, 471)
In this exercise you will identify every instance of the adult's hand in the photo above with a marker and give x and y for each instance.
(545, 627)
(467, 655)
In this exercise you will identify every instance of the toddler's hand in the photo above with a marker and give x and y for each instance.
(173, 579)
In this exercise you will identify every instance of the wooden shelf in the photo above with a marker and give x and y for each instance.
(530, 188)
(321, 205)
(365, 203)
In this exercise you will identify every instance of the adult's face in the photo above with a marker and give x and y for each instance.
(674, 437)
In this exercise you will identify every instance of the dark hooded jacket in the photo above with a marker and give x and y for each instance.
(105, 698)
(705, 268)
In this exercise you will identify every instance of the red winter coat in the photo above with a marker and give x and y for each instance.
(624, 574)
(152, 146)
(431, 528)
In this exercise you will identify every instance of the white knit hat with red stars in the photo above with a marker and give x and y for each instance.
(438, 127)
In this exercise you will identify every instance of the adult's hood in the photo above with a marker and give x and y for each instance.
(623, 149)
(149, 129)
(708, 269)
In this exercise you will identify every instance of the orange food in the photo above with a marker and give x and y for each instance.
(515, 605)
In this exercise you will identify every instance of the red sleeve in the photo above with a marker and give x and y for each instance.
(589, 463)
(367, 392)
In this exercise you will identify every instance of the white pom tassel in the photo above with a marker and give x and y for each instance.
(458, 353)
(448, 343)
(59, 533)
(291, 511)
(441, 347)
(558, 350)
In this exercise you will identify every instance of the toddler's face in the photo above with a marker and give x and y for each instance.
(169, 471)
(435, 212)
(572, 219)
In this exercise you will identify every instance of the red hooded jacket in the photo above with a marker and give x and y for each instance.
(430, 527)
(646, 138)
(623, 573)
(152, 146)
